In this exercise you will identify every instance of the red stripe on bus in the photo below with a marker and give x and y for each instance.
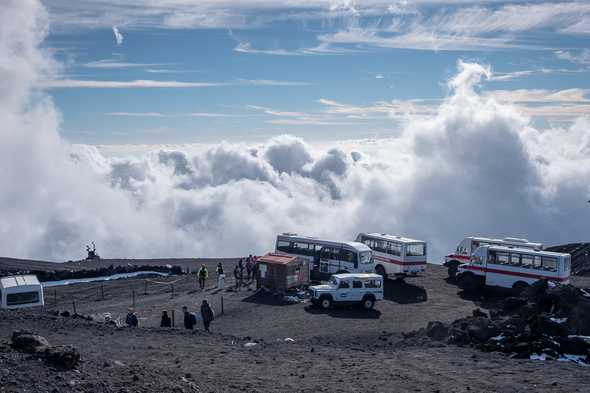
(382, 259)
(511, 273)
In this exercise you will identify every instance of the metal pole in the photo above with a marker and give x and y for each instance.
(145, 287)
(55, 296)
(222, 304)
(74, 304)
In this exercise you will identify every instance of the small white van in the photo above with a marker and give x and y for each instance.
(347, 289)
(20, 292)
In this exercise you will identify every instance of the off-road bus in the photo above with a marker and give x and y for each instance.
(468, 246)
(327, 257)
(395, 255)
(511, 267)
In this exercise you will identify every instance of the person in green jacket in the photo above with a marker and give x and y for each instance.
(203, 275)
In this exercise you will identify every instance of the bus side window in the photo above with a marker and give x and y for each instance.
(537, 262)
(527, 261)
(492, 256)
(514, 259)
(550, 263)
(284, 246)
(502, 258)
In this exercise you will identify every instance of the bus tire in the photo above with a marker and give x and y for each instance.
(326, 302)
(468, 282)
(519, 287)
(380, 270)
(453, 267)
(368, 302)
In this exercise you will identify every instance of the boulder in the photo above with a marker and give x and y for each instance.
(481, 330)
(579, 318)
(28, 342)
(535, 291)
(64, 357)
(437, 330)
(477, 313)
(512, 304)
(573, 345)
(546, 325)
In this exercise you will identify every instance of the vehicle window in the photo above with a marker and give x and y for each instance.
(327, 253)
(394, 248)
(366, 257)
(416, 250)
(566, 267)
(333, 281)
(527, 261)
(373, 284)
(502, 258)
(284, 246)
(537, 262)
(344, 284)
(13, 299)
(357, 284)
(515, 259)
(347, 256)
(549, 263)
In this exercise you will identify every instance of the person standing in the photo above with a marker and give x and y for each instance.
(165, 322)
(249, 265)
(220, 276)
(203, 275)
(131, 319)
(237, 277)
(207, 314)
(190, 320)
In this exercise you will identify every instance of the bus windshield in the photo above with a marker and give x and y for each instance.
(366, 257)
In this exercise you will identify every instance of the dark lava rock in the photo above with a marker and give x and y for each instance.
(65, 314)
(482, 329)
(64, 357)
(437, 330)
(573, 345)
(28, 342)
(512, 304)
(545, 325)
(579, 319)
(477, 313)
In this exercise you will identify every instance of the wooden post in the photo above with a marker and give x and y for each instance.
(221, 304)
(145, 284)
(173, 322)
(74, 304)
(133, 297)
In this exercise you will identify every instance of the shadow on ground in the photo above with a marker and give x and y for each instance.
(350, 312)
(402, 292)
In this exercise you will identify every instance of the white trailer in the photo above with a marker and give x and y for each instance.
(20, 292)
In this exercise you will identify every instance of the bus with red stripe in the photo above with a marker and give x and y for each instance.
(468, 246)
(511, 267)
(395, 255)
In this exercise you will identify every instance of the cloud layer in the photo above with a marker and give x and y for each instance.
(472, 165)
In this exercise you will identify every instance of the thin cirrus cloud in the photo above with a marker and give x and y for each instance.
(143, 84)
(159, 114)
(116, 64)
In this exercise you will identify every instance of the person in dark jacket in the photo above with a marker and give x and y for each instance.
(237, 277)
(207, 314)
(165, 321)
(249, 265)
(189, 318)
(219, 269)
(131, 319)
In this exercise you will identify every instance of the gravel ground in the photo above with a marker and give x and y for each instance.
(343, 350)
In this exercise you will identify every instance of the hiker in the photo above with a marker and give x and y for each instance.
(131, 319)
(166, 322)
(207, 314)
(249, 266)
(190, 319)
(220, 276)
(241, 267)
(203, 275)
(237, 277)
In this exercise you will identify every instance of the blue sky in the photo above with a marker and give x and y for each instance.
(188, 71)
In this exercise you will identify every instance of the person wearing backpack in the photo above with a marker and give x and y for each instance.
(190, 319)
(203, 275)
(207, 314)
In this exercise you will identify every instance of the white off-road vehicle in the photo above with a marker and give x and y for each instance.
(347, 289)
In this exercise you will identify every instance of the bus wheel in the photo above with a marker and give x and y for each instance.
(380, 270)
(519, 286)
(468, 282)
(368, 302)
(453, 267)
(326, 302)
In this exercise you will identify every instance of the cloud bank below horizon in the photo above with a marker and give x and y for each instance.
(475, 166)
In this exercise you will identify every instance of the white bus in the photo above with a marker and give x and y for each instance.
(468, 246)
(511, 267)
(395, 255)
(327, 257)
